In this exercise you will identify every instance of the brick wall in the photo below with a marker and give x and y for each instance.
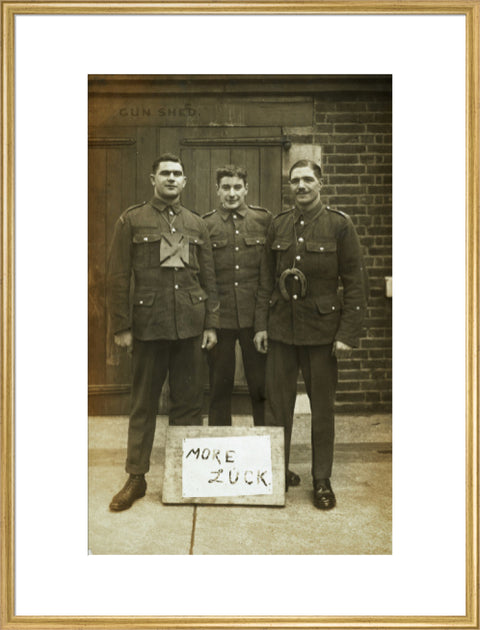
(354, 131)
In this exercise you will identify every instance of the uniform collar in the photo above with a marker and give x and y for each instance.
(242, 211)
(161, 205)
(308, 215)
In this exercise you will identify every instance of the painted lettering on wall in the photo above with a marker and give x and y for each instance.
(142, 111)
(226, 466)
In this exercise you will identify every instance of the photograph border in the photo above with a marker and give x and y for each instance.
(471, 11)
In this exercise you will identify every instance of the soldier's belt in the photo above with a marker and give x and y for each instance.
(299, 276)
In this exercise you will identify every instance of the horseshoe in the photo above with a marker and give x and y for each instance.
(299, 275)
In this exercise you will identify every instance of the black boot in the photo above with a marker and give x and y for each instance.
(323, 497)
(134, 489)
(291, 479)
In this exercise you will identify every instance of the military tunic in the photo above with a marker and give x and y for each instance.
(237, 238)
(324, 246)
(168, 302)
(308, 256)
(166, 248)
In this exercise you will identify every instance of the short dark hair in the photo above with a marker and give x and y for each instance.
(231, 170)
(167, 157)
(307, 163)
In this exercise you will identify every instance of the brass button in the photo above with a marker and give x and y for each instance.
(295, 296)
(298, 258)
(301, 239)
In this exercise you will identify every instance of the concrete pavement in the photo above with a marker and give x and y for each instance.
(360, 524)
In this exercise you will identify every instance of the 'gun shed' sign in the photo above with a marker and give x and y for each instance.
(233, 465)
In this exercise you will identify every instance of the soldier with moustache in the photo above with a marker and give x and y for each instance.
(301, 321)
(172, 316)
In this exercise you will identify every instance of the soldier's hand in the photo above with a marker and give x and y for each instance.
(209, 339)
(341, 349)
(124, 339)
(261, 341)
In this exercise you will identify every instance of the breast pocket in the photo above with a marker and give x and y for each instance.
(321, 255)
(255, 241)
(195, 242)
(146, 249)
(254, 245)
(222, 254)
(283, 248)
(218, 243)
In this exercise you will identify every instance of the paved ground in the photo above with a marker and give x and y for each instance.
(360, 524)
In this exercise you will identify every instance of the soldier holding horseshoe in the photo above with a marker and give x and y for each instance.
(301, 321)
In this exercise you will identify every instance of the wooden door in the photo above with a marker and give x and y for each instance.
(111, 172)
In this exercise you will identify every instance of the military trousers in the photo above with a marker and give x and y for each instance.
(319, 370)
(222, 372)
(183, 360)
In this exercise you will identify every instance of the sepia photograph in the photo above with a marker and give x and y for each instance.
(240, 256)
(215, 413)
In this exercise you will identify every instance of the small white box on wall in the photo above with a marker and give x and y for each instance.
(388, 286)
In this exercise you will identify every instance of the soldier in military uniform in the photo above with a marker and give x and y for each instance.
(173, 314)
(237, 232)
(300, 319)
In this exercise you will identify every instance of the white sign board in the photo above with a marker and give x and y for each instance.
(239, 465)
(226, 466)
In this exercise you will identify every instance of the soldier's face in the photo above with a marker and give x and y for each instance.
(169, 180)
(232, 192)
(305, 185)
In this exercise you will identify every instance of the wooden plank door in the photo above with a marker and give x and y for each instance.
(112, 188)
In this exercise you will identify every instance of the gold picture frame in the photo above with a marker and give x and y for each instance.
(470, 9)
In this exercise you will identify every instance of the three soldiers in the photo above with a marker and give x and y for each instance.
(277, 281)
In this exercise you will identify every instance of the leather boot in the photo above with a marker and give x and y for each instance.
(291, 479)
(134, 489)
(323, 497)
